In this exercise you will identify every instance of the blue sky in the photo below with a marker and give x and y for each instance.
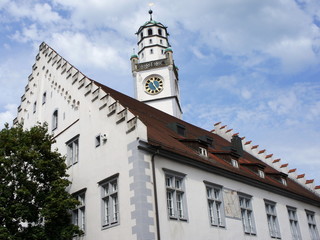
(251, 64)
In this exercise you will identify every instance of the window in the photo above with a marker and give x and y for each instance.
(203, 152)
(141, 34)
(78, 214)
(160, 41)
(312, 226)
(176, 203)
(149, 32)
(284, 181)
(261, 173)
(273, 224)
(215, 205)
(150, 41)
(98, 140)
(44, 97)
(73, 151)
(234, 163)
(55, 120)
(294, 225)
(159, 31)
(34, 106)
(151, 51)
(247, 215)
(110, 203)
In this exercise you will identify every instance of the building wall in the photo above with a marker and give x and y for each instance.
(198, 225)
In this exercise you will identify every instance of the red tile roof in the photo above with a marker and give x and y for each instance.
(159, 134)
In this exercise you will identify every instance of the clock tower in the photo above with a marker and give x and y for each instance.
(155, 74)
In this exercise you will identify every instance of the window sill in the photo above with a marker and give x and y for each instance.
(110, 225)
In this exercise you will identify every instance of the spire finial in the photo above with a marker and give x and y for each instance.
(150, 11)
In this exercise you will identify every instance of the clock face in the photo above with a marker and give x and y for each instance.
(154, 85)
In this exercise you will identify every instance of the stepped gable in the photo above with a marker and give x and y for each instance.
(161, 135)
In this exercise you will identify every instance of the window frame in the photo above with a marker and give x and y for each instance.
(44, 98)
(176, 195)
(55, 119)
(294, 223)
(110, 214)
(73, 156)
(247, 215)
(80, 210)
(312, 225)
(272, 219)
(214, 200)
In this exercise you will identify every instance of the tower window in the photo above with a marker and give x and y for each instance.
(162, 51)
(151, 51)
(160, 32)
(141, 45)
(141, 34)
(150, 41)
(142, 55)
(160, 41)
(149, 32)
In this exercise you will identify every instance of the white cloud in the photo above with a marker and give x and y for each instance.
(81, 50)
(8, 114)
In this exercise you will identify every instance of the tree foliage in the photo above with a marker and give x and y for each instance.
(34, 203)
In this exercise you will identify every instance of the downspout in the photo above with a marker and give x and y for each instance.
(155, 193)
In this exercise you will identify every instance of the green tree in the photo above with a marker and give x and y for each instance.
(34, 203)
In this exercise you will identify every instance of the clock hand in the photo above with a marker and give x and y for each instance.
(152, 81)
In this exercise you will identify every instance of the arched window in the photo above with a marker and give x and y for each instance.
(55, 120)
(160, 31)
(150, 41)
(149, 31)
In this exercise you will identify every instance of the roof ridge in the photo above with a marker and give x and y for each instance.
(220, 130)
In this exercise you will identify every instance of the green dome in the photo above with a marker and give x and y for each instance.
(134, 56)
(169, 49)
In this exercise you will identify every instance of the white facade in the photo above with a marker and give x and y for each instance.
(134, 187)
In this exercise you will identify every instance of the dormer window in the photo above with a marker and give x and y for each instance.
(234, 163)
(261, 173)
(181, 130)
(203, 152)
(284, 181)
(149, 32)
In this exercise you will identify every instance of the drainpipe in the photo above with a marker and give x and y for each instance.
(155, 193)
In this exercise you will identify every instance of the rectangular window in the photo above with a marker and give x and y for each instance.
(247, 214)
(110, 202)
(312, 226)
(78, 214)
(176, 203)
(294, 225)
(34, 107)
(215, 205)
(273, 224)
(234, 163)
(55, 120)
(44, 98)
(98, 140)
(73, 151)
